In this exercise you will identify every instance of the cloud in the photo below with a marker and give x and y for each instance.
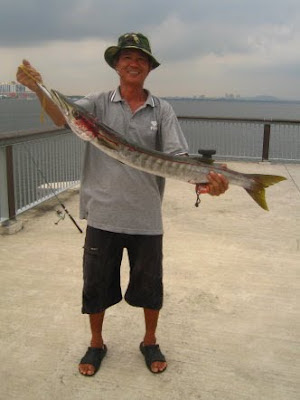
(183, 41)
(209, 44)
(38, 21)
(208, 22)
(72, 67)
(226, 30)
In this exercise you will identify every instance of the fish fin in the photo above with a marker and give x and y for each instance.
(108, 143)
(258, 195)
(260, 182)
(111, 145)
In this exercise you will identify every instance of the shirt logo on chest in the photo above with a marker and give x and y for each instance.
(153, 126)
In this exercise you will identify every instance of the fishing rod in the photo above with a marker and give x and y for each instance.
(53, 192)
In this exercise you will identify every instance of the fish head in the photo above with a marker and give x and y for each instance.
(79, 120)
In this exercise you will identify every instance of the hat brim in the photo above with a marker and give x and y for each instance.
(112, 51)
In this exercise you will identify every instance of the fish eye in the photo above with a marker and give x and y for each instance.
(76, 114)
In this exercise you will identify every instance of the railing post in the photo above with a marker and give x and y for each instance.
(266, 142)
(8, 222)
(10, 183)
(4, 210)
(7, 192)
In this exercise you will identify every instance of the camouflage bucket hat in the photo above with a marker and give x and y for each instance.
(130, 41)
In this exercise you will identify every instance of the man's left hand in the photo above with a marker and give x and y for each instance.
(217, 184)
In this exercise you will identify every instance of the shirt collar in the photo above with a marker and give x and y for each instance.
(116, 97)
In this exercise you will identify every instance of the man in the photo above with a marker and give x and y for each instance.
(122, 205)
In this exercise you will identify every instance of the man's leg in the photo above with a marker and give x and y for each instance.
(96, 323)
(145, 290)
(151, 319)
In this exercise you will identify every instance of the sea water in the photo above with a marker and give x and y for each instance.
(23, 115)
(20, 114)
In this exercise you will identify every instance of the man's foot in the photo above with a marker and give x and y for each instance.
(91, 361)
(154, 358)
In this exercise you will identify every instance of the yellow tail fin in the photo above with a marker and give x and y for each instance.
(260, 182)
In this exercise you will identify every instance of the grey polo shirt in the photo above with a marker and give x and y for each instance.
(113, 196)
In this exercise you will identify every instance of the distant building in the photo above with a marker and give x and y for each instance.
(15, 90)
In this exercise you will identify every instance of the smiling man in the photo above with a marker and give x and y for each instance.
(122, 205)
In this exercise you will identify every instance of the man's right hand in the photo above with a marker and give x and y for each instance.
(25, 79)
(29, 79)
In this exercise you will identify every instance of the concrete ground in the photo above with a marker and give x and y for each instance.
(230, 323)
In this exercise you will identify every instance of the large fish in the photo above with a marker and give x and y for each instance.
(183, 168)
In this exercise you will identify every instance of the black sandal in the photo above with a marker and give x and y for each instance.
(94, 356)
(152, 353)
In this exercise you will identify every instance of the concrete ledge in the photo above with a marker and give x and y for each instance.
(266, 162)
(229, 327)
(11, 227)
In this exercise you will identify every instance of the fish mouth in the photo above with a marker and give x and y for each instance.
(62, 102)
(57, 98)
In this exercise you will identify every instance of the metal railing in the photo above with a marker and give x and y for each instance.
(245, 139)
(30, 161)
(35, 166)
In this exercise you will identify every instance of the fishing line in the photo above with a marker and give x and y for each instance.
(297, 187)
(198, 200)
(53, 192)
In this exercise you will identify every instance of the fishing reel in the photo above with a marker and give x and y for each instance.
(206, 153)
(61, 215)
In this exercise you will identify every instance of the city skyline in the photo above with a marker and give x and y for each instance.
(15, 89)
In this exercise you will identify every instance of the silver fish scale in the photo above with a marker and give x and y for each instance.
(161, 166)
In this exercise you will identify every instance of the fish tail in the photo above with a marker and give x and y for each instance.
(259, 183)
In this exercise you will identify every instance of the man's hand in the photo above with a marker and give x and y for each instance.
(29, 78)
(25, 79)
(217, 184)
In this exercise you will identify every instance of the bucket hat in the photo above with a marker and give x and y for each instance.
(130, 41)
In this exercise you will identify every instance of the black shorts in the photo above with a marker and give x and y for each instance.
(102, 258)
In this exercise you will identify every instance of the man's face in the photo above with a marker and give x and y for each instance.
(133, 66)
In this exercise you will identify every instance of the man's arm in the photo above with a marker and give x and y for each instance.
(29, 79)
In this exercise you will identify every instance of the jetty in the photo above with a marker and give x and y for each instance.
(229, 326)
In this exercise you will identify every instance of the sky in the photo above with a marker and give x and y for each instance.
(205, 47)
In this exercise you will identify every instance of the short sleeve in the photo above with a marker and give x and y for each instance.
(172, 138)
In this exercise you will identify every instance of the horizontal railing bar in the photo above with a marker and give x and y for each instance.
(232, 119)
(28, 135)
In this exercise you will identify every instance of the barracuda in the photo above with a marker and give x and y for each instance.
(182, 168)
